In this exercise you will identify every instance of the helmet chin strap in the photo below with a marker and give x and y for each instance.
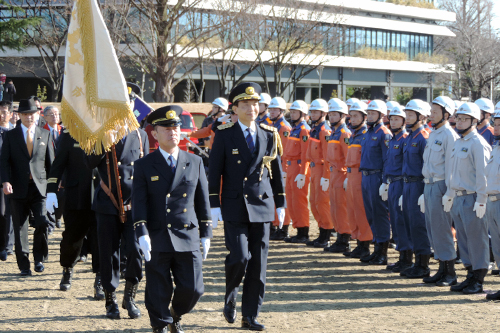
(371, 123)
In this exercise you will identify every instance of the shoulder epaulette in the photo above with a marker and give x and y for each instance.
(224, 126)
(268, 128)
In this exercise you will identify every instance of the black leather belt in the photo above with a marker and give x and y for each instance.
(413, 179)
(391, 179)
(370, 172)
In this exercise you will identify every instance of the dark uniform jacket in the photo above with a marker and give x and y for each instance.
(171, 208)
(247, 196)
(69, 164)
(16, 163)
(126, 154)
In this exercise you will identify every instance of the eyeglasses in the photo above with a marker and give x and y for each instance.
(462, 119)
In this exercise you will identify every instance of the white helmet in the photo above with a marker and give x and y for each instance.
(391, 105)
(446, 102)
(359, 106)
(377, 105)
(485, 105)
(469, 109)
(319, 104)
(299, 105)
(351, 101)
(417, 105)
(265, 98)
(221, 102)
(496, 115)
(397, 111)
(278, 103)
(497, 107)
(337, 105)
(457, 104)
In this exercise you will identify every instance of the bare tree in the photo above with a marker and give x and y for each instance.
(474, 52)
(49, 38)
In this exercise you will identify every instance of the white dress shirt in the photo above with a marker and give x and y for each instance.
(175, 156)
(25, 131)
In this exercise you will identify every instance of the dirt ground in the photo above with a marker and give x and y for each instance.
(307, 291)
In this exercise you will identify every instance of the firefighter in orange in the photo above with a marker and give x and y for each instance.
(320, 172)
(277, 108)
(297, 172)
(360, 229)
(336, 157)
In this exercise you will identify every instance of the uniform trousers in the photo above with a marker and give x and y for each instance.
(186, 269)
(493, 219)
(109, 232)
(20, 210)
(248, 245)
(296, 199)
(338, 204)
(377, 211)
(320, 200)
(472, 233)
(400, 235)
(6, 229)
(360, 229)
(77, 223)
(414, 218)
(439, 222)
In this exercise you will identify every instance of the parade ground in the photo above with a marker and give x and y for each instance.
(307, 291)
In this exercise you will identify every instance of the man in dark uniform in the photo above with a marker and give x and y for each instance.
(170, 204)
(110, 228)
(27, 154)
(246, 156)
(79, 218)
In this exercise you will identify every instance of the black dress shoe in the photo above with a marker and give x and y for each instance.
(3, 255)
(495, 272)
(493, 297)
(160, 329)
(252, 324)
(25, 272)
(39, 267)
(65, 284)
(230, 312)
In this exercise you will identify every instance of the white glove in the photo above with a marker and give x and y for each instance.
(281, 216)
(480, 209)
(205, 243)
(401, 202)
(447, 203)
(345, 184)
(301, 181)
(383, 191)
(145, 245)
(325, 183)
(224, 118)
(51, 202)
(184, 135)
(421, 203)
(216, 216)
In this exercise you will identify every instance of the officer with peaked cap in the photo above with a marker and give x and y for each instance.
(171, 213)
(246, 159)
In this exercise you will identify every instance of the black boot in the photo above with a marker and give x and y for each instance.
(367, 258)
(129, 300)
(381, 257)
(175, 327)
(397, 264)
(66, 279)
(320, 237)
(439, 274)
(302, 236)
(465, 283)
(421, 270)
(406, 261)
(450, 276)
(362, 250)
(348, 251)
(98, 290)
(112, 311)
(476, 283)
(273, 230)
(326, 238)
(280, 234)
(341, 245)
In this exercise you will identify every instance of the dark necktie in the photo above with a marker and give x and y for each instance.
(250, 144)
(171, 162)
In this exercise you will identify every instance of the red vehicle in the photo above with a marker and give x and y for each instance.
(187, 125)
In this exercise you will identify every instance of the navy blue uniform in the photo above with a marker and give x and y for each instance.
(248, 200)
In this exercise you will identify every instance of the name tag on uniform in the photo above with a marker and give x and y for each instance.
(414, 144)
(76, 145)
(374, 138)
(439, 143)
(154, 178)
(396, 146)
(235, 152)
(465, 150)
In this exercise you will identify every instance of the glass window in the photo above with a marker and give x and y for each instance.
(405, 38)
(374, 39)
(368, 39)
(360, 38)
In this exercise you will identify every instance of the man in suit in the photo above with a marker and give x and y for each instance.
(69, 165)
(27, 154)
(245, 158)
(110, 227)
(171, 214)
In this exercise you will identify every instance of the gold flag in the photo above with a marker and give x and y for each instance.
(95, 106)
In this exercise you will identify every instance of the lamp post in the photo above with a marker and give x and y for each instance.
(319, 70)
